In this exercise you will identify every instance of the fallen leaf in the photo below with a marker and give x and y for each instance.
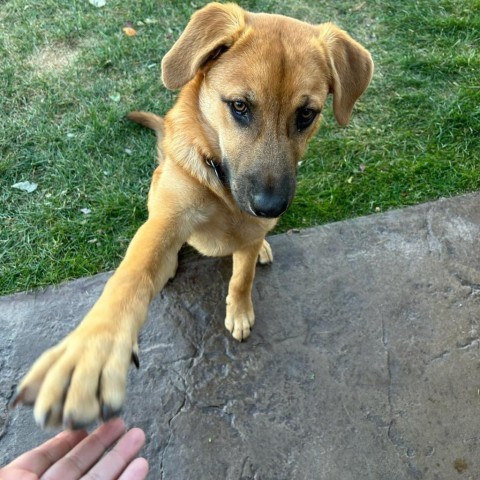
(129, 31)
(97, 3)
(28, 187)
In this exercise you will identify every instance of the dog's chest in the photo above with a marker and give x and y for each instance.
(225, 233)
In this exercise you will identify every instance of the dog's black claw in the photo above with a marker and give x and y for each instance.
(15, 400)
(19, 399)
(46, 418)
(70, 424)
(109, 413)
(135, 360)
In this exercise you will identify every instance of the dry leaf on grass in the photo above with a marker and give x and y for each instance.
(28, 187)
(97, 3)
(129, 31)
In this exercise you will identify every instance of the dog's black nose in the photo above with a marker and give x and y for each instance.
(269, 205)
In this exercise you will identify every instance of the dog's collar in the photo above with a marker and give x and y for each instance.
(217, 168)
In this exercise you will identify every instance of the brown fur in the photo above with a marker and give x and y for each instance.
(224, 172)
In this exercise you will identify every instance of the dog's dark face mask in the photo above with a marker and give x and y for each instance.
(263, 191)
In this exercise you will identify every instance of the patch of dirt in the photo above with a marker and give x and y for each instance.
(53, 58)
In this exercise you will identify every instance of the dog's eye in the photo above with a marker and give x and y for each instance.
(240, 111)
(239, 107)
(305, 117)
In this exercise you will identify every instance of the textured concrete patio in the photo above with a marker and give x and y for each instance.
(363, 364)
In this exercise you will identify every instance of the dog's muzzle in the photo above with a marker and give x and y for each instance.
(269, 205)
(252, 196)
(265, 198)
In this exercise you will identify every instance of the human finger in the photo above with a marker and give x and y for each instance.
(44, 456)
(137, 470)
(81, 458)
(115, 461)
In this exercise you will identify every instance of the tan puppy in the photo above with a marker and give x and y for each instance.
(253, 89)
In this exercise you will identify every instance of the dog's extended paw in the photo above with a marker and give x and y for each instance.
(81, 379)
(265, 256)
(240, 318)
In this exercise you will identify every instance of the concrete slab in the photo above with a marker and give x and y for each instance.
(364, 362)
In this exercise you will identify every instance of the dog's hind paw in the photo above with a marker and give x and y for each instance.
(265, 256)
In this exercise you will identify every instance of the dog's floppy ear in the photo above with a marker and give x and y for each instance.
(211, 30)
(351, 70)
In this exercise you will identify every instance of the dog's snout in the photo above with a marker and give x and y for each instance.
(264, 196)
(269, 204)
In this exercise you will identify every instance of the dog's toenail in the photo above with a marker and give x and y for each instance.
(135, 360)
(108, 412)
(16, 399)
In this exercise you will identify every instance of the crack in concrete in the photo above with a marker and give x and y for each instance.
(5, 417)
(392, 433)
(223, 411)
(384, 335)
(394, 436)
(389, 367)
(474, 287)
(468, 343)
(441, 356)
(198, 351)
(170, 433)
(434, 244)
(8, 371)
(248, 471)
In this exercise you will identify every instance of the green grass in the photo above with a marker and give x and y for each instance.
(68, 76)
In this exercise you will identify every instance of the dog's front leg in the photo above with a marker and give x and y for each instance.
(240, 316)
(84, 376)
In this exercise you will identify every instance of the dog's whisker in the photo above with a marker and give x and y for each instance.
(251, 210)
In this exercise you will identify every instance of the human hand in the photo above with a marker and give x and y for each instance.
(74, 454)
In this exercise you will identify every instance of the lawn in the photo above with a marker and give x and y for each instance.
(69, 74)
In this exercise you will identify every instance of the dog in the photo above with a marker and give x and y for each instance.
(253, 86)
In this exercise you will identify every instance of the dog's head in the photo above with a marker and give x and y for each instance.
(264, 80)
